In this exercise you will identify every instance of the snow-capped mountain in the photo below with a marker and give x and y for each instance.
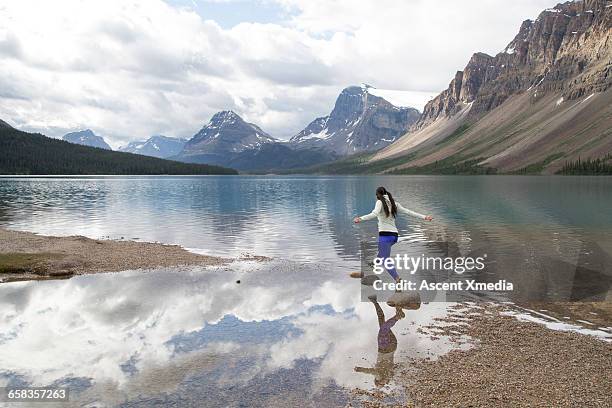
(87, 138)
(360, 121)
(223, 137)
(228, 140)
(156, 146)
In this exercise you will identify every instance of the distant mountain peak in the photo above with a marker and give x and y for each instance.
(226, 133)
(360, 121)
(159, 146)
(163, 137)
(227, 114)
(86, 137)
(225, 117)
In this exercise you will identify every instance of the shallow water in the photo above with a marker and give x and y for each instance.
(189, 335)
(294, 329)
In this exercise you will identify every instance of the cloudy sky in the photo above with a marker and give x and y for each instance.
(132, 68)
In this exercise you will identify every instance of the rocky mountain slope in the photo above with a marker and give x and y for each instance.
(86, 138)
(156, 146)
(359, 122)
(542, 102)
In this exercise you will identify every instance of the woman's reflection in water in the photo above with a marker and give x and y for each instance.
(387, 344)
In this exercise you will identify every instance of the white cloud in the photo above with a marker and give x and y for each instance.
(129, 69)
(93, 338)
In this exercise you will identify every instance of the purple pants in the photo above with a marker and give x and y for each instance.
(385, 242)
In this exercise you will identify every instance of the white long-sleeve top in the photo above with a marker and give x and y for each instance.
(385, 223)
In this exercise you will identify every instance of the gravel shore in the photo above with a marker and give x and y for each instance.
(513, 364)
(24, 255)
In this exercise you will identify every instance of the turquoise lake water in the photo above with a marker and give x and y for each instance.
(304, 218)
(295, 328)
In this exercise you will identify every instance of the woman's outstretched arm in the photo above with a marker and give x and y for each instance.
(377, 209)
(404, 210)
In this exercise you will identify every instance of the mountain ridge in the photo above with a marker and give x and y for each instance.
(367, 120)
(228, 140)
(159, 146)
(519, 109)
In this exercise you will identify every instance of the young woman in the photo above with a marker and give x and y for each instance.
(385, 210)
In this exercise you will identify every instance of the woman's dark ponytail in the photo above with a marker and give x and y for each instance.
(393, 206)
(380, 194)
